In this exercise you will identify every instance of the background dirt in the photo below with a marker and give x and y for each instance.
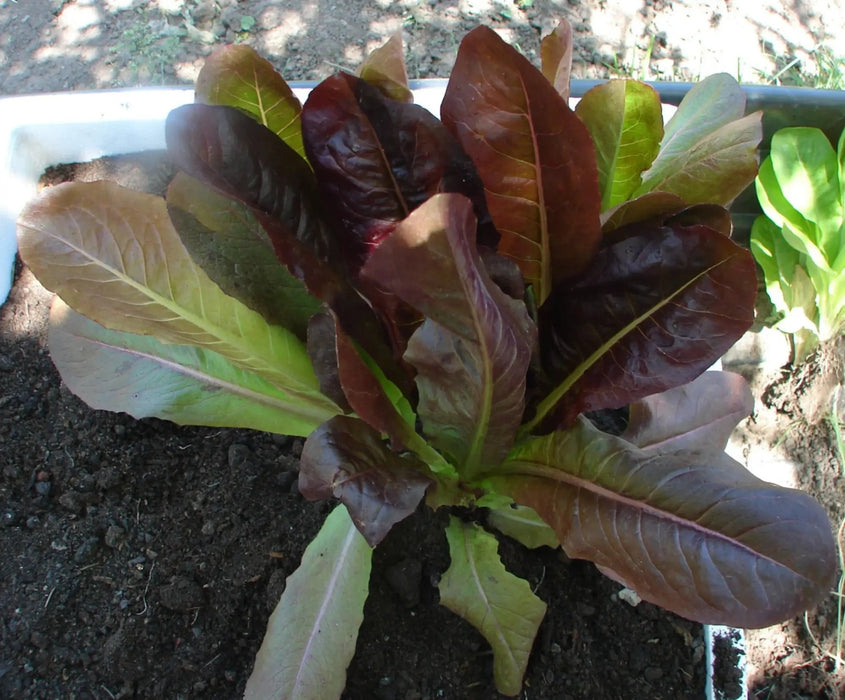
(48, 45)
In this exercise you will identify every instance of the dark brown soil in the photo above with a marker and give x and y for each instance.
(142, 559)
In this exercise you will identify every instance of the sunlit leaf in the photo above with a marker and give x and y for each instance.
(694, 534)
(625, 119)
(138, 375)
(311, 636)
(556, 57)
(498, 604)
(236, 76)
(113, 255)
(534, 155)
(385, 69)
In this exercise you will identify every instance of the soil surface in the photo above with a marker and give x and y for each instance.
(143, 560)
(49, 45)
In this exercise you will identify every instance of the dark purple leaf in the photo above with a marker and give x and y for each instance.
(472, 352)
(322, 349)
(345, 458)
(533, 154)
(243, 160)
(378, 159)
(699, 416)
(342, 371)
(703, 538)
(653, 311)
(240, 158)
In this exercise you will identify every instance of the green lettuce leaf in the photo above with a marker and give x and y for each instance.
(236, 76)
(311, 636)
(625, 119)
(498, 604)
(138, 375)
(709, 150)
(113, 255)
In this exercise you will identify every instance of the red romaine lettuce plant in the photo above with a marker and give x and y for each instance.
(437, 305)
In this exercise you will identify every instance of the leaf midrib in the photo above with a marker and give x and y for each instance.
(228, 338)
(554, 397)
(533, 468)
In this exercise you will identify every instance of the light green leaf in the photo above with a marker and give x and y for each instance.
(498, 604)
(709, 150)
(801, 233)
(713, 170)
(236, 76)
(385, 69)
(138, 375)
(714, 102)
(113, 255)
(524, 525)
(625, 119)
(807, 171)
(311, 635)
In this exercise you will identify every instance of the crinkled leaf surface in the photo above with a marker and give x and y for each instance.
(311, 636)
(556, 57)
(653, 311)
(236, 76)
(378, 160)
(346, 459)
(385, 69)
(227, 241)
(138, 375)
(524, 525)
(498, 604)
(473, 350)
(704, 539)
(625, 119)
(709, 150)
(113, 255)
(534, 155)
(698, 416)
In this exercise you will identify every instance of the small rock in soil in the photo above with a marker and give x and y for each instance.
(653, 673)
(404, 579)
(182, 594)
(115, 536)
(87, 551)
(238, 454)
